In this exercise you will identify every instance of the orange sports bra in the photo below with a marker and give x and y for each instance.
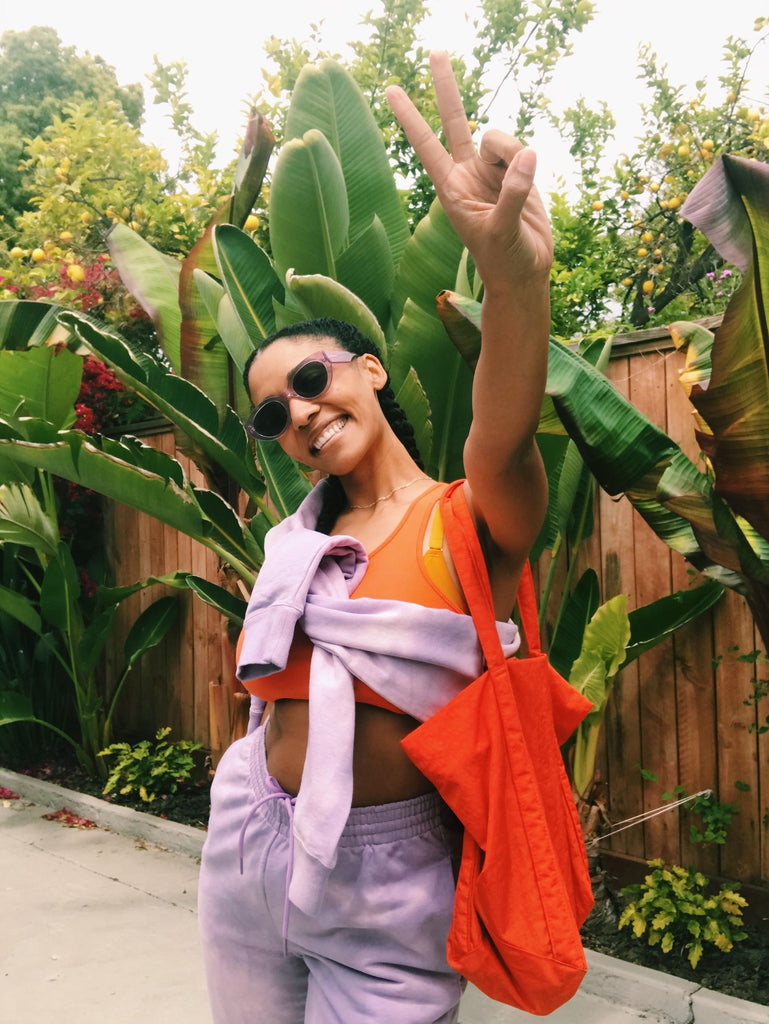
(398, 569)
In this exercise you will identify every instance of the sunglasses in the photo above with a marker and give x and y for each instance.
(308, 380)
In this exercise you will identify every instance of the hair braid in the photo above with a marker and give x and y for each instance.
(351, 339)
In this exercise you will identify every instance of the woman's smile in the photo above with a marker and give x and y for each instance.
(327, 433)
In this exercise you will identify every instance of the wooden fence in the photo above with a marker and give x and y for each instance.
(678, 716)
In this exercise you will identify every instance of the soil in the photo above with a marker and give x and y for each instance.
(189, 805)
(743, 972)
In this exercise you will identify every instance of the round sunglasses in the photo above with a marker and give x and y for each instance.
(308, 380)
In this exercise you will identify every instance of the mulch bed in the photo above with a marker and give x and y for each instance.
(188, 806)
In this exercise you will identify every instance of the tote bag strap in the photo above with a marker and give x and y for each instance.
(470, 564)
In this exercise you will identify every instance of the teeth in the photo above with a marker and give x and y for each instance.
(328, 433)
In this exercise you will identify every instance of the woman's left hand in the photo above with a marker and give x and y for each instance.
(488, 193)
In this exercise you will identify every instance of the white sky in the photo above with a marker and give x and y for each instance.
(222, 43)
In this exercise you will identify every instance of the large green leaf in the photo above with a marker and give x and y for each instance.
(366, 268)
(142, 478)
(579, 608)
(250, 280)
(327, 98)
(223, 443)
(321, 296)
(234, 608)
(150, 627)
(153, 280)
(202, 362)
(19, 608)
(229, 327)
(628, 454)
(24, 521)
(286, 484)
(60, 592)
(657, 621)
(40, 382)
(411, 397)
(309, 215)
(430, 264)
(730, 205)
(26, 324)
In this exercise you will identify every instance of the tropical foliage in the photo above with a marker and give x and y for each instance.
(339, 244)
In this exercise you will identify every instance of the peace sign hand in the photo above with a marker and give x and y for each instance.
(488, 195)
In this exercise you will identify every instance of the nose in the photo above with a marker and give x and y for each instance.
(301, 411)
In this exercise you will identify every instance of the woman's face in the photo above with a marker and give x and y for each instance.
(331, 433)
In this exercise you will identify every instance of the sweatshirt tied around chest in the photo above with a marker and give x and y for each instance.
(417, 658)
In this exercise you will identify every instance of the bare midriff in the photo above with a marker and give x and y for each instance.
(382, 773)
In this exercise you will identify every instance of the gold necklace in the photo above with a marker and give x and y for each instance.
(384, 497)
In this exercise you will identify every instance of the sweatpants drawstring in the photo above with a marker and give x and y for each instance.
(290, 866)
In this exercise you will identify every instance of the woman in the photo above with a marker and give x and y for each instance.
(327, 877)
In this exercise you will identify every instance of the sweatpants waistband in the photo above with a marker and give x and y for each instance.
(366, 826)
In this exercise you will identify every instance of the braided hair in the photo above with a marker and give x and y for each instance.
(352, 340)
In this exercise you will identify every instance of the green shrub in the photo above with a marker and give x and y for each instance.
(672, 908)
(150, 771)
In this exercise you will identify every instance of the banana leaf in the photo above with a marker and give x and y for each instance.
(222, 445)
(202, 362)
(153, 280)
(23, 520)
(430, 262)
(120, 472)
(250, 281)
(629, 454)
(41, 382)
(327, 98)
(730, 205)
(309, 215)
(321, 296)
(25, 324)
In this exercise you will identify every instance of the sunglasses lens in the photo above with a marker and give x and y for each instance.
(269, 420)
(310, 379)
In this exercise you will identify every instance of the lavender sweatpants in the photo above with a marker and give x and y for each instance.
(376, 952)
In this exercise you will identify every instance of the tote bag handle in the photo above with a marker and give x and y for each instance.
(467, 555)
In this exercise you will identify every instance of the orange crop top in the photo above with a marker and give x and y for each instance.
(398, 569)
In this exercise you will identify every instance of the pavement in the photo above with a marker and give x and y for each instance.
(99, 926)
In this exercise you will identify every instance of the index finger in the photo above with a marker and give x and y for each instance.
(425, 143)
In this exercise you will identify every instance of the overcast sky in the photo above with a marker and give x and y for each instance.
(222, 43)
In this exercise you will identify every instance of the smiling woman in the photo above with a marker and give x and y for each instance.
(327, 879)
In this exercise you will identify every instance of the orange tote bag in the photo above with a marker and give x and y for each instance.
(493, 752)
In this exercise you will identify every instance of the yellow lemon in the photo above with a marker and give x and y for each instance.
(38, 255)
(75, 273)
(85, 217)
(16, 253)
(643, 252)
(648, 287)
(683, 149)
(65, 236)
(624, 195)
(597, 205)
(647, 236)
(252, 222)
(627, 281)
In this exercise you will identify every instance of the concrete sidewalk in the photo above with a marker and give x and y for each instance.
(99, 927)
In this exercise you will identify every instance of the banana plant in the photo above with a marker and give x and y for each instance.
(40, 389)
(591, 642)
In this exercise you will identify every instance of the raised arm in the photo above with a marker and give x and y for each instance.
(489, 197)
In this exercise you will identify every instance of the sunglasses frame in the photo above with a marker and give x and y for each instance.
(327, 359)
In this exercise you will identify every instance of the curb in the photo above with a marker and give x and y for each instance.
(171, 835)
(657, 997)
